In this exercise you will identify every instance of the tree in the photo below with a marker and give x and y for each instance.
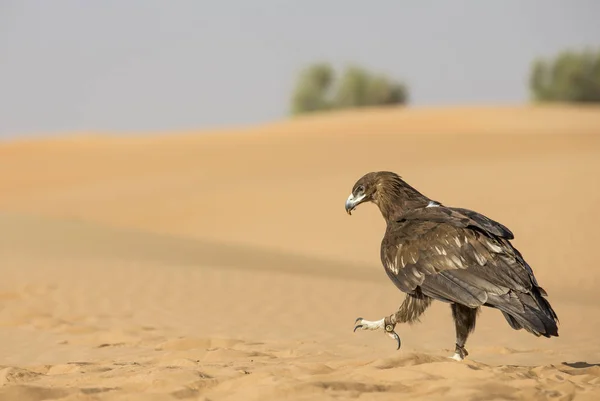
(356, 88)
(570, 77)
(312, 89)
(353, 88)
(382, 91)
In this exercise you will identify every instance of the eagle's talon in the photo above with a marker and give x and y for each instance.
(460, 353)
(396, 337)
(377, 325)
(368, 325)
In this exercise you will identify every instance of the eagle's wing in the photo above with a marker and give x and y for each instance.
(483, 222)
(452, 257)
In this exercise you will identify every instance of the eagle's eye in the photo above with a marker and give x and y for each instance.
(360, 189)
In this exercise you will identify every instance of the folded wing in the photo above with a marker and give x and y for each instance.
(455, 255)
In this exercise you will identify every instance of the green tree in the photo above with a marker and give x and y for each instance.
(569, 77)
(353, 88)
(357, 87)
(383, 91)
(312, 90)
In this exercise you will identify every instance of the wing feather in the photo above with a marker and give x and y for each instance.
(452, 257)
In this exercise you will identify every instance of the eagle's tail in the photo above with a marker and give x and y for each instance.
(530, 311)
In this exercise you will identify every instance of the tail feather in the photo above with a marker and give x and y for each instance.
(540, 298)
(529, 311)
(512, 321)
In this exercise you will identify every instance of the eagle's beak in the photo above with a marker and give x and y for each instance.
(352, 202)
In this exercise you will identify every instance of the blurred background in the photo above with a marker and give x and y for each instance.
(166, 164)
(161, 66)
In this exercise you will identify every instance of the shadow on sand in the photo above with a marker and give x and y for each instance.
(580, 365)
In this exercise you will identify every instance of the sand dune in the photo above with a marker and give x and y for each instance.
(222, 265)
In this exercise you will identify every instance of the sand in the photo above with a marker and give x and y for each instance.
(222, 265)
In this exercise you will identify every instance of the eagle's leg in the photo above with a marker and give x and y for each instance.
(464, 320)
(377, 325)
(413, 306)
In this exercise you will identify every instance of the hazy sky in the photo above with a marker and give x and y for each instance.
(140, 65)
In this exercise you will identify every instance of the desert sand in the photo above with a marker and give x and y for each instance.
(222, 266)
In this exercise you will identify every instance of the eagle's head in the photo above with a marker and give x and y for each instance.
(371, 187)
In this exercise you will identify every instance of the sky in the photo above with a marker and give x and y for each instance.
(149, 65)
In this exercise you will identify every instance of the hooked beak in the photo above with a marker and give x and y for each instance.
(352, 202)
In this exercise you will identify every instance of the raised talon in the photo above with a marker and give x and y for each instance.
(379, 324)
(389, 329)
(359, 326)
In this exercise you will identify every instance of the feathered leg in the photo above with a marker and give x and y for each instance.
(464, 320)
(409, 312)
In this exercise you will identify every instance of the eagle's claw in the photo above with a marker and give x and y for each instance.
(358, 326)
(379, 324)
(394, 335)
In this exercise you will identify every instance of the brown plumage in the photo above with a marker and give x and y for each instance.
(454, 255)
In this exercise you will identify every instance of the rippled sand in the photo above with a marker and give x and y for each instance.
(222, 266)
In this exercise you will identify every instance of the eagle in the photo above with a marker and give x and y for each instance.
(454, 255)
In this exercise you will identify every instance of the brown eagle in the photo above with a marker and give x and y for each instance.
(434, 252)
